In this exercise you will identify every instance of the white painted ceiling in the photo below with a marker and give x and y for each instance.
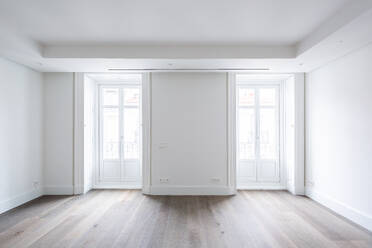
(101, 35)
(166, 22)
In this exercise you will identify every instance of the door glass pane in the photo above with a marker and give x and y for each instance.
(131, 133)
(267, 97)
(246, 133)
(111, 133)
(246, 97)
(110, 96)
(131, 96)
(268, 133)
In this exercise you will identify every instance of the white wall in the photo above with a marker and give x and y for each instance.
(339, 136)
(189, 133)
(20, 134)
(58, 133)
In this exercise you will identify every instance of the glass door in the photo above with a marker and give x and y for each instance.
(257, 133)
(120, 134)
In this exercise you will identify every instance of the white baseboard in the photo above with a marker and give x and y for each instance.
(19, 200)
(118, 186)
(87, 189)
(360, 218)
(290, 187)
(78, 189)
(146, 189)
(190, 190)
(58, 190)
(261, 187)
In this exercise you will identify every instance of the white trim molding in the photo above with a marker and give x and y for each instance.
(263, 187)
(116, 186)
(299, 167)
(146, 132)
(231, 131)
(360, 218)
(191, 190)
(78, 170)
(20, 199)
(58, 190)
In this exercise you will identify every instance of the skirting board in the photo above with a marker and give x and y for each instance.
(113, 186)
(58, 190)
(261, 187)
(342, 209)
(19, 200)
(190, 190)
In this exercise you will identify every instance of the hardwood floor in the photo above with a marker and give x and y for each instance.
(126, 218)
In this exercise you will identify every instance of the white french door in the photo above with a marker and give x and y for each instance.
(119, 135)
(257, 134)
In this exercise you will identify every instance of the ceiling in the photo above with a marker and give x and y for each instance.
(100, 35)
(166, 22)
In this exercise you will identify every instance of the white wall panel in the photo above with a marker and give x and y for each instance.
(20, 134)
(189, 130)
(339, 136)
(58, 132)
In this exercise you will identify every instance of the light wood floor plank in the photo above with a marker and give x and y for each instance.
(127, 218)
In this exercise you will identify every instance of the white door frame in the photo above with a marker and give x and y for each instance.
(281, 173)
(97, 182)
(279, 128)
(298, 187)
(78, 133)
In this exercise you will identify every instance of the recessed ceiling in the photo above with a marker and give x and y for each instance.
(166, 22)
(98, 35)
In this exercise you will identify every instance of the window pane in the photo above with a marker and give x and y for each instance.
(246, 133)
(131, 133)
(110, 133)
(267, 97)
(246, 97)
(110, 96)
(268, 134)
(131, 96)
